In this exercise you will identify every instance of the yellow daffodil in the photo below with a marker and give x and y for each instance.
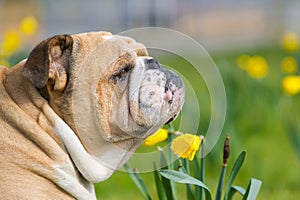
(290, 42)
(29, 25)
(159, 136)
(289, 65)
(291, 85)
(257, 67)
(11, 42)
(185, 146)
(242, 61)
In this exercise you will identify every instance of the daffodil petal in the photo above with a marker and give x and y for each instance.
(289, 65)
(10, 44)
(192, 155)
(291, 85)
(257, 67)
(29, 25)
(185, 146)
(181, 144)
(158, 136)
(242, 61)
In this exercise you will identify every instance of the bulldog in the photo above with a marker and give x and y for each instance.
(76, 110)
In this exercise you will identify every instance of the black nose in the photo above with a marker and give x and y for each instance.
(152, 64)
(172, 79)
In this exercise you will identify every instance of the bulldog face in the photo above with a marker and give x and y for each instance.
(124, 94)
(144, 96)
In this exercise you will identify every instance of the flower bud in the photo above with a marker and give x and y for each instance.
(226, 151)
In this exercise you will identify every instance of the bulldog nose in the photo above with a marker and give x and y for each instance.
(173, 79)
(152, 64)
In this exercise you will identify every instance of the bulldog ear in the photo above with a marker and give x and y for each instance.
(49, 62)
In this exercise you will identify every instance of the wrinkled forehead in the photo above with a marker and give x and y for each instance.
(87, 42)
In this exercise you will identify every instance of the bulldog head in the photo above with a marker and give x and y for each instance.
(107, 89)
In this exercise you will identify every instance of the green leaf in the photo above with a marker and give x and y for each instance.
(293, 133)
(252, 189)
(135, 177)
(189, 190)
(181, 177)
(161, 193)
(197, 174)
(235, 189)
(137, 174)
(235, 169)
(163, 160)
(168, 186)
(221, 183)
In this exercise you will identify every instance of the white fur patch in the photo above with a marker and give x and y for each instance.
(136, 78)
(73, 187)
(91, 169)
(107, 37)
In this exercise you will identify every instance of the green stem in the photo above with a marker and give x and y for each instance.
(186, 165)
(202, 170)
(189, 190)
(171, 158)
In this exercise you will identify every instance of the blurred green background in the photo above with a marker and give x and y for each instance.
(255, 45)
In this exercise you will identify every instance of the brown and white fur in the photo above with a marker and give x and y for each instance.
(75, 111)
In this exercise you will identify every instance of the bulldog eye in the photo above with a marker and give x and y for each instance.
(121, 74)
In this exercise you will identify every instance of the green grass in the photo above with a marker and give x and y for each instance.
(255, 123)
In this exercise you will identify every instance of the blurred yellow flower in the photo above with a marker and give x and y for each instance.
(257, 67)
(4, 62)
(242, 61)
(291, 85)
(289, 65)
(11, 42)
(290, 42)
(29, 25)
(185, 146)
(159, 136)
